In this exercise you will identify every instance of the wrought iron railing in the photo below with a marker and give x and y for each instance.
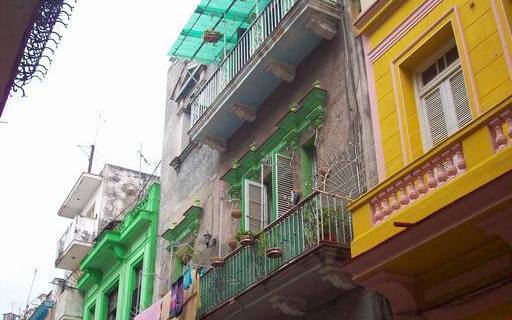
(81, 229)
(319, 218)
(260, 29)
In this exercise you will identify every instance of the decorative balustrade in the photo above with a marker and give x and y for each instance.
(81, 229)
(411, 187)
(501, 130)
(319, 218)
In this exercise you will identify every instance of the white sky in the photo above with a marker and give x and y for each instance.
(112, 60)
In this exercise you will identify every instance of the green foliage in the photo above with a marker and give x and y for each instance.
(239, 234)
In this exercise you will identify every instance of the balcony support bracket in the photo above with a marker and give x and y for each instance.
(337, 277)
(244, 112)
(321, 25)
(281, 70)
(215, 143)
(289, 306)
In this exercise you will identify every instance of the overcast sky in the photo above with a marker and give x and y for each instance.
(112, 60)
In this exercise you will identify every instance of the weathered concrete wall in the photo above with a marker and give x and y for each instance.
(69, 305)
(119, 189)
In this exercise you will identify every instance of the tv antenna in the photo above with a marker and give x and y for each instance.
(30, 291)
(90, 152)
(142, 158)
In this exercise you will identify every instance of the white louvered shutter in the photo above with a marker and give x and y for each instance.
(284, 183)
(460, 99)
(435, 116)
(254, 202)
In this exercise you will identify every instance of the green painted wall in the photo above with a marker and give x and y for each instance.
(112, 261)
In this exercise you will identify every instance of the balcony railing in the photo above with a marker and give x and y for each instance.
(261, 28)
(319, 218)
(80, 230)
(470, 158)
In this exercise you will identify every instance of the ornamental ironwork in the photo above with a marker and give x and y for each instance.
(43, 39)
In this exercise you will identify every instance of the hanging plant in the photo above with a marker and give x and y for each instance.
(233, 244)
(246, 238)
(185, 254)
(217, 262)
(274, 253)
(236, 213)
(212, 36)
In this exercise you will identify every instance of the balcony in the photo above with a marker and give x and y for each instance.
(472, 158)
(69, 305)
(278, 39)
(309, 243)
(75, 243)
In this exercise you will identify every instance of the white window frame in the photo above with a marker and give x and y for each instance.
(441, 81)
(263, 199)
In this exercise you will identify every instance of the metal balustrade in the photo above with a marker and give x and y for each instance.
(319, 218)
(260, 29)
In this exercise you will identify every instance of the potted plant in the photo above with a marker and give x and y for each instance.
(212, 36)
(217, 262)
(246, 238)
(233, 244)
(329, 227)
(236, 213)
(274, 253)
(185, 253)
(268, 247)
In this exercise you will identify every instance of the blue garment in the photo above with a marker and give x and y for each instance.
(187, 278)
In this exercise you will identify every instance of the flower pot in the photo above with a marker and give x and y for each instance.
(274, 253)
(217, 262)
(236, 213)
(232, 243)
(211, 36)
(246, 240)
(329, 237)
(185, 259)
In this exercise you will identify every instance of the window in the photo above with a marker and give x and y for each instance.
(256, 205)
(112, 305)
(268, 193)
(90, 313)
(191, 78)
(444, 104)
(136, 292)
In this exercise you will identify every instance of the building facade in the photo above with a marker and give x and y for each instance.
(96, 202)
(268, 137)
(434, 235)
(117, 273)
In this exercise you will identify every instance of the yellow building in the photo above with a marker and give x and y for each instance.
(435, 234)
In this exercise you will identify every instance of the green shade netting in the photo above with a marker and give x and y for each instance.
(224, 16)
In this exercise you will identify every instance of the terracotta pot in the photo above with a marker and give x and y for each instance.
(185, 259)
(236, 213)
(232, 243)
(217, 262)
(329, 237)
(211, 36)
(246, 240)
(274, 253)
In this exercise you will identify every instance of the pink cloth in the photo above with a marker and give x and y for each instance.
(151, 313)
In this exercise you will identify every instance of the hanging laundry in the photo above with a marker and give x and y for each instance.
(187, 278)
(151, 313)
(176, 298)
(166, 306)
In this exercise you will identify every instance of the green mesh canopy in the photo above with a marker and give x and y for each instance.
(228, 17)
